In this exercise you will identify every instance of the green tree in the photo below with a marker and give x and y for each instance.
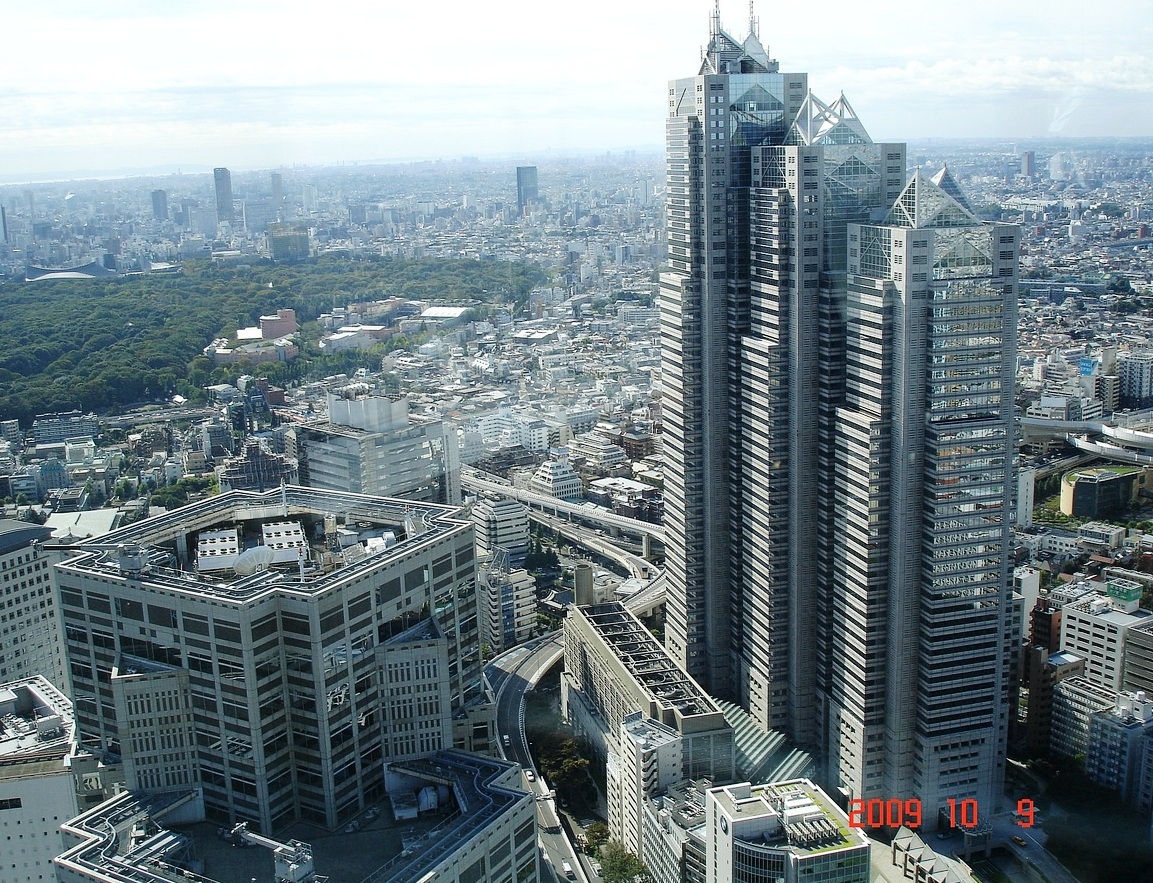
(621, 866)
(563, 766)
(596, 836)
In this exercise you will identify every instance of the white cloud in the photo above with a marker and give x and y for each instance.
(217, 78)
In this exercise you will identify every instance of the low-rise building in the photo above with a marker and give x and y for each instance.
(1118, 738)
(43, 782)
(785, 832)
(1096, 628)
(615, 668)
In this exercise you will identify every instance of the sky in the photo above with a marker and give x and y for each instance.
(120, 86)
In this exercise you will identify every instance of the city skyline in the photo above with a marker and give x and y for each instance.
(130, 88)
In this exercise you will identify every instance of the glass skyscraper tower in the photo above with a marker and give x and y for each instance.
(805, 539)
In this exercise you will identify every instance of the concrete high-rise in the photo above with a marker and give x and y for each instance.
(812, 453)
(222, 178)
(160, 205)
(526, 188)
(371, 444)
(277, 649)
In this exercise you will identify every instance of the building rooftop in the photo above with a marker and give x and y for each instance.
(125, 839)
(35, 722)
(16, 535)
(480, 801)
(794, 814)
(647, 660)
(165, 548)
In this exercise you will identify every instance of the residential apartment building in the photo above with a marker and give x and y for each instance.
(650, 760)
(507, 603)
(1118, 739)
(1075, 699)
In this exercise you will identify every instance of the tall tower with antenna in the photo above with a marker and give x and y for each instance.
(779, 598)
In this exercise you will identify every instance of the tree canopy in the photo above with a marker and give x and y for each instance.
(103, 344)
(621, 866)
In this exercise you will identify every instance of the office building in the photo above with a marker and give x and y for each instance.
(222, 180)
(1043, 671)
(159, 205)
(41, 779)
(1028, 164)
(785, 832)
(526, 188)
(800, 355)
(555, 477)
(501, 523)
(615, 668)
(371, 444)
(31, 637)
(246, 646)
(1097, 628)
(257, 468)
(1137, 660)
(488, 833)
(924, 444)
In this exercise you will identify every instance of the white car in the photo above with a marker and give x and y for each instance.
(530, 775)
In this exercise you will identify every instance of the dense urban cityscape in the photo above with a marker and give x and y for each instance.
(778, 507)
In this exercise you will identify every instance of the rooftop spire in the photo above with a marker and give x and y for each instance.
(754, 23)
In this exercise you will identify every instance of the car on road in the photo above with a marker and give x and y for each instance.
(505, 740)
(1019, 840)
(530, 775)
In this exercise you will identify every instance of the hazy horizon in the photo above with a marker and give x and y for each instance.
(260, 84)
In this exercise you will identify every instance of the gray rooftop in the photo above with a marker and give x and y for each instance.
(16, 535)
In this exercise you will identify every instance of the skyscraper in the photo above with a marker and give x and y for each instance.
(765, 359)
(526, 192)
(223, 180)
(160, 205)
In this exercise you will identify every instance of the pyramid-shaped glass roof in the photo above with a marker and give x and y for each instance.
(820, 123)
(924, 203)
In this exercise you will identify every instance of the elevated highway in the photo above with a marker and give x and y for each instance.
(475, 480)
(1126, 440)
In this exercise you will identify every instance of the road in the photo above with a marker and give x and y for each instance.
(511, 675)
(475, 480)
(589, 539)
(1005, 827)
